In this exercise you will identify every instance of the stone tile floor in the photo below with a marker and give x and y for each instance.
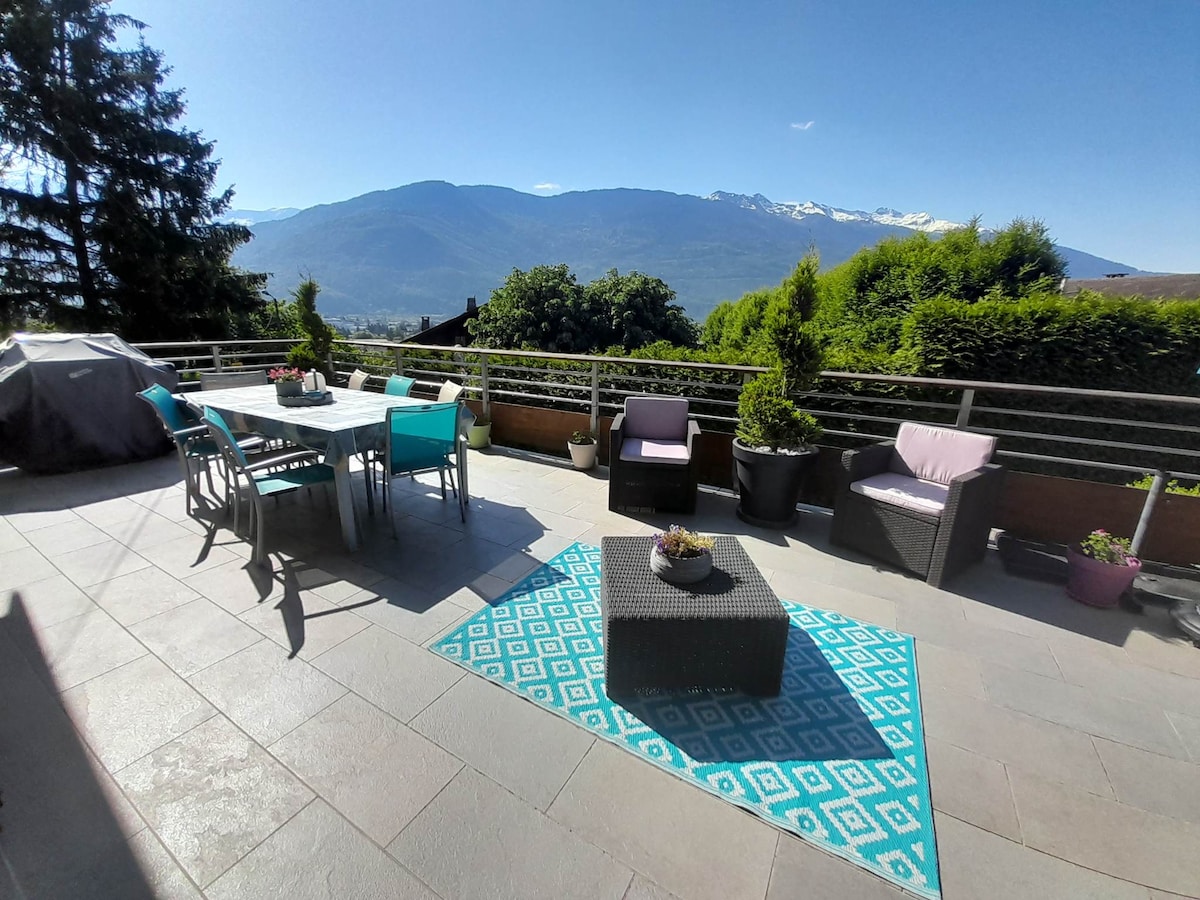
(177, 723)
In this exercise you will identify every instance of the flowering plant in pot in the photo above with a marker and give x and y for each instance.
(583, 449)
(289, 382)
(681, 556)
(1101, 568)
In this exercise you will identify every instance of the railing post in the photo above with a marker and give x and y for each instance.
(595, 424)
(399, 361)
(964, 408)
(1156, 489)
(216, 357)
(484, 386)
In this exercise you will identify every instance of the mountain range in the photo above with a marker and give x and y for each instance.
(422, 249)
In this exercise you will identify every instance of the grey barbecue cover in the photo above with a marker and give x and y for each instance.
(67, 402)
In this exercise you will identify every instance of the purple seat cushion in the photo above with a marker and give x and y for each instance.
(641, 450)
(939, 454)
(656, 418)
(927, 497)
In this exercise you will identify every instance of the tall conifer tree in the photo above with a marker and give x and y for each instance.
(106, 204)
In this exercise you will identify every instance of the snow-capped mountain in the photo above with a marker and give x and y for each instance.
(921, 221)
(250, 217)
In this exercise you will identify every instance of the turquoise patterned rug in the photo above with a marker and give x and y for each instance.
(838, 758)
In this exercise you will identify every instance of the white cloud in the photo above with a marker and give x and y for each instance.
(547, 186)
(803, 126)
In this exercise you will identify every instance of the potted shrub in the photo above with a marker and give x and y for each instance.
(583, 449)
(288, 382)
(479, 433)
(681, 556)
(1101, 568)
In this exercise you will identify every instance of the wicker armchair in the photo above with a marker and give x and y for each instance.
(925, 502)
(651, 464)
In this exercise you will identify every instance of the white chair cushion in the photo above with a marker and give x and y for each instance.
(656, 418)
(939, 454)
(916, 494)
(639, 450)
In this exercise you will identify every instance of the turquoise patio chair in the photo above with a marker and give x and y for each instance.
(423, 439)
(191, 438)
(399, 386)
(265, 478)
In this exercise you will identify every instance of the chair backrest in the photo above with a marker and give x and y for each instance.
(939, 454)
(358, 380)
(449, 392)
(656, 418)
(421, 437)
(399, 386)
(214, 381)
(225, 440)
(169, 410)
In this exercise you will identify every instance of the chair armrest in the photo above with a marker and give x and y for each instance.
(692, 431)
(616, 436)
(974, 493)
(866, 461)
(281, 459)
(184, 434)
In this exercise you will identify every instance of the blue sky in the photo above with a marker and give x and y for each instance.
(1085, 115)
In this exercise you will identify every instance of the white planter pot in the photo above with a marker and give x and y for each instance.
(479, 436)
(583, 456)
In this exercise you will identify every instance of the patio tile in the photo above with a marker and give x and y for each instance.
(1188, 729)
(47, 602)
(1030, 743)
(475, 707)
(126, 713)
(264, 692)
(405, 610)
(978, 865)
(171, 503)
(642, 888)
(146, 529)
(802, 870)
(99, 562)
(236, 585)
(1084, 709)
(10, 538)
(478, 591)
(109, 512)
(66, 537)
(952, 669)
(84, 647)
(661, 827)
(212, 795)
(314, 856)
(25, 522)
(195, 635)
(955, 633)
(189, 555)
(378, 773)
(1141, 684)
(863, 607)
(1109, 837)
(131, 598)
(22, 566)
(972, 788)
(1151, 782)
(487, 862)
(1168, 652)
(162, 873)
(305, 625)
(392, 673)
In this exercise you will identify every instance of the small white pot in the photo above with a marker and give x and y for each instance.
(583, 456)
(479, 436)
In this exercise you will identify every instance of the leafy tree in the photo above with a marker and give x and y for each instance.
(638, 310)
(106, 210)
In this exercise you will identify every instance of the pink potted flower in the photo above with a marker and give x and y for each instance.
(1100, 569)
(288, 382)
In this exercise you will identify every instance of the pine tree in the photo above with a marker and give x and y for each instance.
(106, 205)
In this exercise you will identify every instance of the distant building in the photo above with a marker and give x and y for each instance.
(1152, 287)
(451, 333)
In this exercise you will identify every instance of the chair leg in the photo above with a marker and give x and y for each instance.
(442, 478)
(260, 545)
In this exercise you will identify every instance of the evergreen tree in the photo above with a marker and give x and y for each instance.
(106, 206)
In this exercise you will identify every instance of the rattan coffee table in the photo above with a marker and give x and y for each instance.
(728, 632)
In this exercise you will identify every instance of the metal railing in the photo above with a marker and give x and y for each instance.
(1097, 434)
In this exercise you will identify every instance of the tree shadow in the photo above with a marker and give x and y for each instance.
(59, 834)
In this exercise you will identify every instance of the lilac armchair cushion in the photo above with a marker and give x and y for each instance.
(927, 497)
(939, 454)
(656, 418)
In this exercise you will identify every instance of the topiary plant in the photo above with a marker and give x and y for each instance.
(768, 419)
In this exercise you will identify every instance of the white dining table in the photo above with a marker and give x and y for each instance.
(353, 424)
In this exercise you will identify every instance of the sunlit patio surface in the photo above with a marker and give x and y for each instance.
(177, 723)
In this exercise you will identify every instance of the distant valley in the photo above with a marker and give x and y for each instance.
(424, 248)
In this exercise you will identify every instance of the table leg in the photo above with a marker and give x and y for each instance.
(345, 502)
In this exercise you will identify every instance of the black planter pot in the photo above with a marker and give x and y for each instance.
(768, 484)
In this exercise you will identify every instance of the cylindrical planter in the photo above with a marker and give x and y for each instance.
(768, 484)
(479, 436)
(583, 456)
(1097, 583)
(680, 571)
(289, 388)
